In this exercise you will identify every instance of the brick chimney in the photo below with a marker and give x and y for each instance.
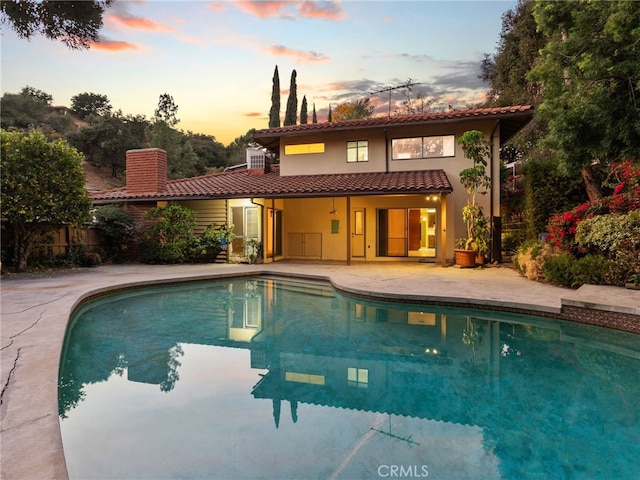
(146, 170)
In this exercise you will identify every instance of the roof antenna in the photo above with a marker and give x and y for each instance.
(408, 85)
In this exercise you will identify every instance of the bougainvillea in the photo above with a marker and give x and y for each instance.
(625, 180)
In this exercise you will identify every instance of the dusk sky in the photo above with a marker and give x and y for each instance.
(216, 58)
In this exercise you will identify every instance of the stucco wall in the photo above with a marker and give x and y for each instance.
(333, 160)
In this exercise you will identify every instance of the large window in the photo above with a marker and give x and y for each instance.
(358, 151)
(423, 147)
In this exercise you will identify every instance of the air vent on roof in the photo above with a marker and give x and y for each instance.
(257, 161)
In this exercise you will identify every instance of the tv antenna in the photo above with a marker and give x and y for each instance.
(409, 84)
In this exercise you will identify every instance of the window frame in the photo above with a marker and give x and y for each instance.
(423, 142)
(358, 147)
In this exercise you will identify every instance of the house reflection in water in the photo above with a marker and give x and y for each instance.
(310, 345)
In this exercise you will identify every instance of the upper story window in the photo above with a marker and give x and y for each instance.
(303, 148)
(358, 151)
(423, 147)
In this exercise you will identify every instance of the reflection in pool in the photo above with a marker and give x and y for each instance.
(270, 378)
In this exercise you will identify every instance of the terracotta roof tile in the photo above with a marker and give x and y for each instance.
(242, 184)
(395, 120)
(513, 117)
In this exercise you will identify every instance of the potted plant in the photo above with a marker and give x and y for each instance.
(474, 180)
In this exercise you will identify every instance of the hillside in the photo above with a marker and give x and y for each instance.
(99, 178)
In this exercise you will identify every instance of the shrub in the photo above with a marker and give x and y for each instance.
(166, 239)
(603, 233)
(558, 269)
(562, 228)
(207, 246)
(569, 271)
(115, 226)
(531, 257)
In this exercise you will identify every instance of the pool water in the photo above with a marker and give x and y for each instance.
(266, 378)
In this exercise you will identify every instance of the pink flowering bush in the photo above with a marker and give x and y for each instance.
(625, 176)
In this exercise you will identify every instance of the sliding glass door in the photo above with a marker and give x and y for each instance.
(407, 232)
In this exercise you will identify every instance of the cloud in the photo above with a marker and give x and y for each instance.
(262, 9)
(112, 45)
(254, 114)
(325, 10)
(298, 55)
(138, 23)
(217, 7)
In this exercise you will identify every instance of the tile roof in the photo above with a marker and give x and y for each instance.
(242, 184)
(515, 117)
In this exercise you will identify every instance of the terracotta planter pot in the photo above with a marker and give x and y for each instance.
(466, 258)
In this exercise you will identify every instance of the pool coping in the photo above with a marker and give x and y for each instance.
(36, 314)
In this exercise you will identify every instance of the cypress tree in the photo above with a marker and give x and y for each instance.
(314, 117)
(303, 111)
(274, 113)
(329, 116)
(292, 102)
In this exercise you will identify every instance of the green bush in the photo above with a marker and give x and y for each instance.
(115, 226)
(167, 238)
(601, 234)
(568, 271)
(211, 242)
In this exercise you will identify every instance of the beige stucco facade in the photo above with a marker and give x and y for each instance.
(313, 215)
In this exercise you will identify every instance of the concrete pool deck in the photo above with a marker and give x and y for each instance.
(35, 309)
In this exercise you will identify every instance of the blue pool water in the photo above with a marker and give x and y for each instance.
(265, 378)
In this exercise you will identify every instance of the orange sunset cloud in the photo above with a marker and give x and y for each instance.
(299, 55)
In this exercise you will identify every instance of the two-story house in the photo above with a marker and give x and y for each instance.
(382, 188)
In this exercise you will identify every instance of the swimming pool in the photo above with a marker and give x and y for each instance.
(265, 377)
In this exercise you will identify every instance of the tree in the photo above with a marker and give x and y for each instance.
(329, 116)
(106, 139)
(166, 111)
(274, 113)
(292, 102)
(351, 110)
(589, 73)
(314, 116)
(25, 110)
(303, 111)
(411, 105)
(85, 104)
(75, 23)
(164, 136)
(210, 152)
(43, 189)
(517, 52)
(237, 149)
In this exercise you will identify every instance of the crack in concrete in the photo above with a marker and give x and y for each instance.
(7, 346)
(29, 327)
(11, 372)
(36, 305)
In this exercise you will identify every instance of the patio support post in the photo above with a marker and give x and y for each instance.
(348, 230)
(273, 230)
(443, 229)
